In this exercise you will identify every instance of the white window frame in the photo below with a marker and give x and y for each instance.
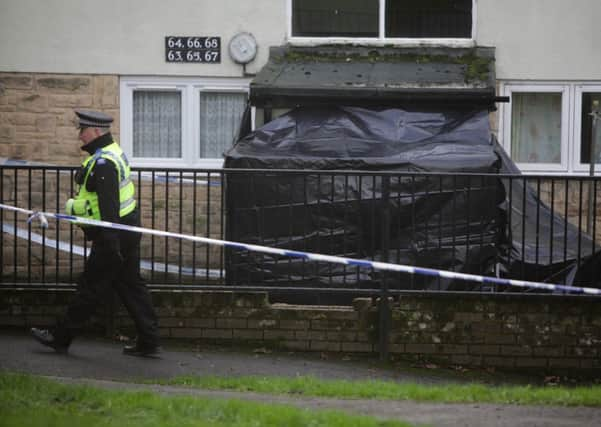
(190, 88)
(382, 39)
(566, 124)
(571, 121)
(579, 89)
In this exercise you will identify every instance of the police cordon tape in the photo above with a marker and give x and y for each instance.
(70, 247)
(376, 265)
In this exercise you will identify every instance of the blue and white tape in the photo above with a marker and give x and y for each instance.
(399, 268)
(78, 250)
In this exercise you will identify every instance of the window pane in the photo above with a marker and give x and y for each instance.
(429, 18)
(586, 135)
(220, 115)
(157, 124)
(335, 18)
(536, 127)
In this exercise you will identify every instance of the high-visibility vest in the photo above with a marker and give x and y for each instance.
(85, 203)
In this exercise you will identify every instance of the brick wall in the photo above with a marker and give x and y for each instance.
(551, 334)
(36, 113)
(508, 331)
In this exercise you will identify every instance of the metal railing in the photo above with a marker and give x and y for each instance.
(537, 228)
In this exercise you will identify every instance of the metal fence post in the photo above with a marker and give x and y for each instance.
(384, 308)
(596, 114)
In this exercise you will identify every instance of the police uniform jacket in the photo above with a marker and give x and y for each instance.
(104, 181)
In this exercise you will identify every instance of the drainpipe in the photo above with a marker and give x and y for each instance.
(596, 113)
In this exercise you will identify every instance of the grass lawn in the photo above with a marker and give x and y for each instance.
(31, 401)
(34, 402)
(456, 393)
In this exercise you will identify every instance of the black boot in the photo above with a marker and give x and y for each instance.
(49, 339)
(142, 350)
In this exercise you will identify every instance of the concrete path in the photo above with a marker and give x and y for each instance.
(101, 364)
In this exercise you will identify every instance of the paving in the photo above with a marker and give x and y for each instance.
(100, 363)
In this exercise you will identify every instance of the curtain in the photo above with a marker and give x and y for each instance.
(157, 124)
(220, 115)
(536, 127)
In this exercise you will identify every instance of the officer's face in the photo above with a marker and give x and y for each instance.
(88, 134)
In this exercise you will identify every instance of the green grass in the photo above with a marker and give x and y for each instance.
(469, 393)
(35, 402)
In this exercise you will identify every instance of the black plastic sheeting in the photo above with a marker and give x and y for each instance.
(456, 222)
(550, 247)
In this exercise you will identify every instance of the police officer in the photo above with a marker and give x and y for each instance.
(106, 192)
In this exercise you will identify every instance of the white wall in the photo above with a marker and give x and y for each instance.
(543, 39)
(535, 39)
(128, 36)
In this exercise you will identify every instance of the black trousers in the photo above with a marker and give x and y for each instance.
(104, 274)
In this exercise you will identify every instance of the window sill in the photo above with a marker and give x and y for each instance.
(396, 42)
(177, 164)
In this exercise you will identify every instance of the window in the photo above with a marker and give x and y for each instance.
(429, 19)
(548, 128)
(438, 20)
(220, 115)
(157, 124)
(335, 18)
(536, 127)
(588, 99)
(180, 122)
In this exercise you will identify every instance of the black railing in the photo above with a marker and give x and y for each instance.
(536, 228)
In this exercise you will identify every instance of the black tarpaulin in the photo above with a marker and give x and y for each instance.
(451, 222)
(364, 139)
(544, 245)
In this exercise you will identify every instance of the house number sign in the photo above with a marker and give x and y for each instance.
(193, 49)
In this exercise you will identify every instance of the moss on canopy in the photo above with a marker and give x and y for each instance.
(476, 67)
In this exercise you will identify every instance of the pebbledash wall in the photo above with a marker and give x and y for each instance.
(550, 334)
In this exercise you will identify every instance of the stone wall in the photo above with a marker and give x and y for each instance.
(36, 113)
(544, 332)
(551, 334)
(36, 124)
(570, 200)
(189, 208)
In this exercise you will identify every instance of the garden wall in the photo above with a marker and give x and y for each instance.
(544, 333)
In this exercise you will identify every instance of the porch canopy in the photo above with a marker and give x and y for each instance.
(378, 77)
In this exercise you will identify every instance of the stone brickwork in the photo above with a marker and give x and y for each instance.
(571, 200)
(505, 331)
(186, 208)
(36, 113)
(550, 334)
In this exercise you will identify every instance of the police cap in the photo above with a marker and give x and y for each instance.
(92, 119)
